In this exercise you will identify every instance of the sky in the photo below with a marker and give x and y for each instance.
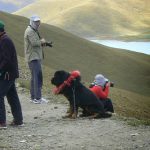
(11, 6)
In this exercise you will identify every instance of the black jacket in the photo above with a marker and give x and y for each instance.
(8, 59)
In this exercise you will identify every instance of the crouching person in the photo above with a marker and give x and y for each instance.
(8, 74)
(100, 87)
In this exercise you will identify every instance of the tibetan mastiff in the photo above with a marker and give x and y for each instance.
(69, 85)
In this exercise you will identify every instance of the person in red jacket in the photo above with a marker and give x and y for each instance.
(100, 87)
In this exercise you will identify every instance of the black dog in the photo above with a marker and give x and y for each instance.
(78, 95)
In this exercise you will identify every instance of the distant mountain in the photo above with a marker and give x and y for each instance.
(94, 18)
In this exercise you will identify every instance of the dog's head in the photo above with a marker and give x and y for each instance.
(59, 77)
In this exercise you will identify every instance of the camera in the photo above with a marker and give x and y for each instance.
(49, 44)
(91, 85)
(111, 84)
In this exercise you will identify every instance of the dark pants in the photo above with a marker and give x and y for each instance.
(108, 106)
(36, 79)
(8, 89)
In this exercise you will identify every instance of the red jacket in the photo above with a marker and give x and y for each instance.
(100, 92)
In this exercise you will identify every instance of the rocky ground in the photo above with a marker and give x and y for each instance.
(46, 130)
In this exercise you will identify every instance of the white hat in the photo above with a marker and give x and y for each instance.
(100, 80)
(35, 18)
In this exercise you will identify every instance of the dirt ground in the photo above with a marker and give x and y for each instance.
(46, 130)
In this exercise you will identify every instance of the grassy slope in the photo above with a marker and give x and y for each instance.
(129, 70)
(90, 18)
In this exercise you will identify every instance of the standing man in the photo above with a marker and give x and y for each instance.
(33, 46)
(8, 74)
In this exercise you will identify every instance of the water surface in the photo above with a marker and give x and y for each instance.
(141, 47)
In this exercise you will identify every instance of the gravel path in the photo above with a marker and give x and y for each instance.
(46, 130)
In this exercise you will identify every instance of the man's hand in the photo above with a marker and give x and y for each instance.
(43, 42)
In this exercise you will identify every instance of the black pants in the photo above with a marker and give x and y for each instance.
(8, 89)
(108, 106)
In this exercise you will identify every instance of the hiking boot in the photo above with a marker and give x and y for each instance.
(3, 126)
(17, 124)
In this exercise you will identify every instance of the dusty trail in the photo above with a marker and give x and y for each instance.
(46, 130)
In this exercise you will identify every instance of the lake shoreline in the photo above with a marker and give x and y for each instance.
(136, 46)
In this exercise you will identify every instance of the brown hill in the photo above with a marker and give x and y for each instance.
(94, 18)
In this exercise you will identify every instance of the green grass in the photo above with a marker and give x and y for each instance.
(130, 104)
(134, 121)
(129, 70)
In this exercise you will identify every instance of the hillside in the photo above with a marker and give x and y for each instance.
(129, 70)
(94, 18)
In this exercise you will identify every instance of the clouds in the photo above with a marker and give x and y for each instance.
(14, 5)
(13, 2)
(18, 3)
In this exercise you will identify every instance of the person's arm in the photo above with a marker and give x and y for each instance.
(98, 91)
(104, 92)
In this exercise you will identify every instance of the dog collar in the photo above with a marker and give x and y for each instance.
(73, 75)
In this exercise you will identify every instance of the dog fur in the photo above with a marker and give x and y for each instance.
(83, 97)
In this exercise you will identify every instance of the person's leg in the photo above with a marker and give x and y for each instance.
(108, 106)
(32, 80)
(40, 79)
(36, 79)
(15, 105)
(4, 87)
